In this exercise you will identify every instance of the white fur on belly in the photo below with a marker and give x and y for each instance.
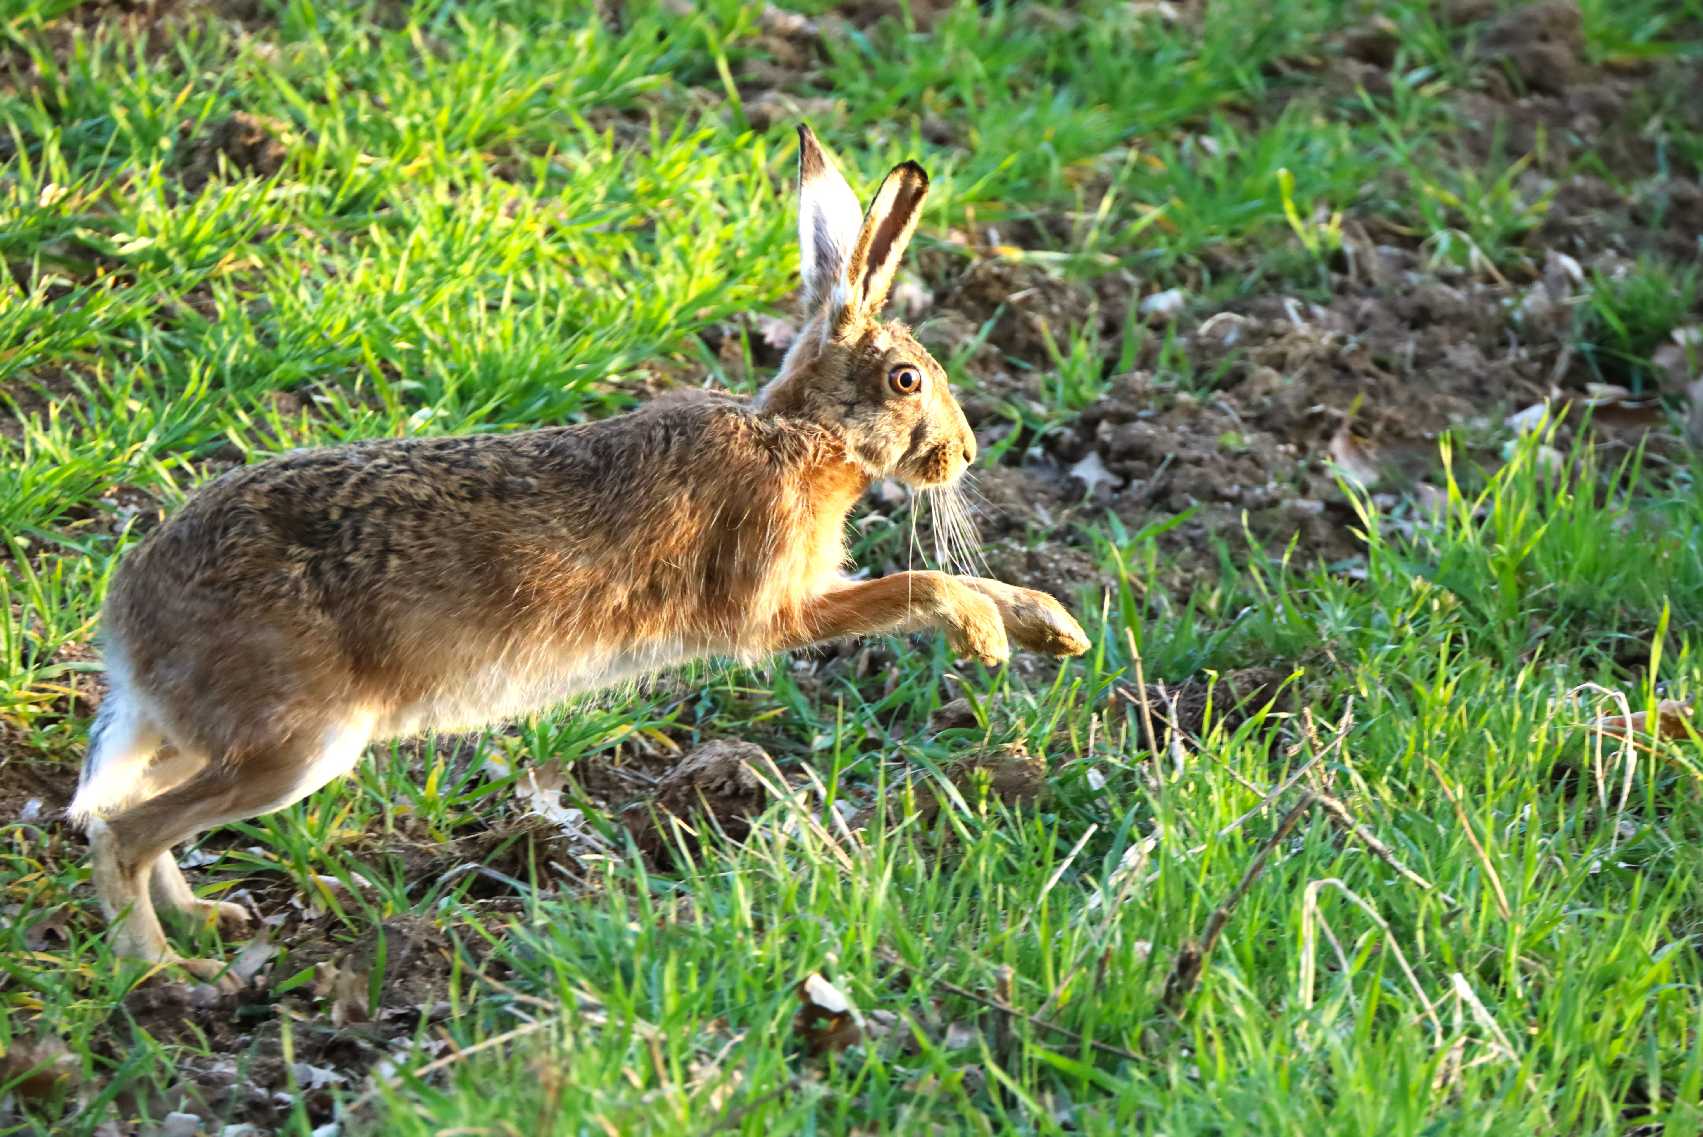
(513, 688)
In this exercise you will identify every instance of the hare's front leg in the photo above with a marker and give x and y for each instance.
(909, 602)
(1034, 620)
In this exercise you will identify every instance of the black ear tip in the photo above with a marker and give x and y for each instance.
(913, 170)
(810, 160)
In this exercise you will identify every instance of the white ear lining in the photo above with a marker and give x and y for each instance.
(829, 221)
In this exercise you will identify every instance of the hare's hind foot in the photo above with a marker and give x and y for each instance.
(130, 849)
(124, 896)
(172, 892)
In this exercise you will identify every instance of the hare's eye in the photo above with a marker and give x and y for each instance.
(905, 379)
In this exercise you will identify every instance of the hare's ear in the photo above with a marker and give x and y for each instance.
(828, 220)
(887, 229)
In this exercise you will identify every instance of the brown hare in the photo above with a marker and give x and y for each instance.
(293, 611)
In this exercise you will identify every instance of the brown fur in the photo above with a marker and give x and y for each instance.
(295, 609)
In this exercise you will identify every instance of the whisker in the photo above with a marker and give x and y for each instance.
(958, 531)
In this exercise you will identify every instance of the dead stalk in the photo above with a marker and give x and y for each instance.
(1191, 957)
(1477, 847)
(1004, 1007)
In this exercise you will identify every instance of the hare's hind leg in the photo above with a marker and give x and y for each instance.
(171, 891)
(122, 744)
(134, 845)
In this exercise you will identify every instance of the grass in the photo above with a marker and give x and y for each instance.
(501, 213)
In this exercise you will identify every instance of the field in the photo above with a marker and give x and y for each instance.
(1329, 358)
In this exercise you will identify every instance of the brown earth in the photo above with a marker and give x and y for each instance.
(1287, 392)
(1276, 389)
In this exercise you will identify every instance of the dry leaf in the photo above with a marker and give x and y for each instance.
(253, 958)
(310, 1077)
(960, 1036)
(1092, 473)
(1162, 10)
(1523, 422)
(1353, 458)
(347, 990)
(827, 1020)
(785, 23)
(1673, 720)
(1164, 306)
(910, 297)
(49, 932)
(41, 1069)
(542, 795)
(957, 714)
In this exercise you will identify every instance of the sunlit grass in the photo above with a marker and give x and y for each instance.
(499, 214)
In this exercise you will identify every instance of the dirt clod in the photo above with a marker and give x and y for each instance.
(1542, 44)
(714, 787)
(246, 142)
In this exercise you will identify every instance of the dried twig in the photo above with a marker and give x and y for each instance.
(1270, 796)
(1339, 815)
(1004, 1007)
(1336, 810)
(1483, 856)
(1192, 956)
(1144, 702)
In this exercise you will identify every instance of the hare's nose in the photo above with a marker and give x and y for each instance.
(970, 452)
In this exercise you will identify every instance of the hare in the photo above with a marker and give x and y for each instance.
(295, 610)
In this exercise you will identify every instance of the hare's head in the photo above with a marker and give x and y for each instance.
(849, 369)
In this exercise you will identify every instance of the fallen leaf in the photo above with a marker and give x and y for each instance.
(50, 931)
(910, 297)
(1223, 328)
(1123, 880)
(1162, 10)
(1674, 719)
(253, 958)
(197, 858)
(542, 795)
(958, 714)
(785, 23)
(1353, 458)
(37, 1071)
(960, 1036)
(1164, 306)
(827, 1020)
(1092, 473)
(1523, 422)
(347, 990)
(310, 1077)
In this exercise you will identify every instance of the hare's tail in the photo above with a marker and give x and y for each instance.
(122, 744)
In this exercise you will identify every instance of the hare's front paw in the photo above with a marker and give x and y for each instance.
(1035, 620)
(975, 628)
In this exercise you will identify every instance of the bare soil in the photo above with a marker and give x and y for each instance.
(1282, 391)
